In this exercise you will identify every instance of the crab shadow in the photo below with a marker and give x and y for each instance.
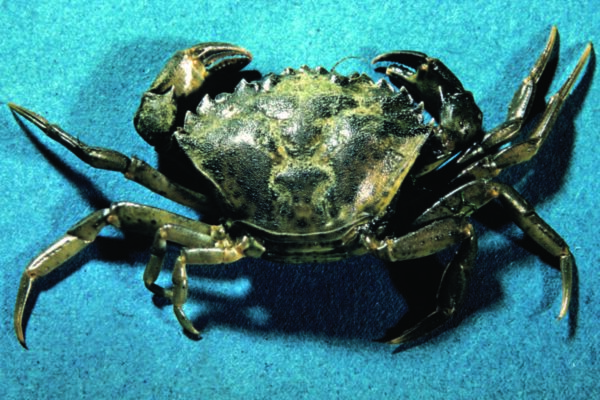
(359, 298)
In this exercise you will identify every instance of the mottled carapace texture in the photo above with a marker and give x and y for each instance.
(307, 151)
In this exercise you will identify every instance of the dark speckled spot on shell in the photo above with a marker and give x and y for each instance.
(301, 180)
(326, 106)
(301, 136)
(280, 108)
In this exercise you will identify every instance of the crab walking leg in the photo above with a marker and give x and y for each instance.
(198, 248)
(50, 259)
(103, 158)
(127, 216)
(440, 235)
(231, 253)
(467, 199)
(520, 105)
(490, 166)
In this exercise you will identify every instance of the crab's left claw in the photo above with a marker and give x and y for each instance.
(180, 82)
(430, 81)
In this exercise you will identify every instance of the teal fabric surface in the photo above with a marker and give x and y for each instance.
(286, 331)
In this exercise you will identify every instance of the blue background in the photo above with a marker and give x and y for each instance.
(280, 331)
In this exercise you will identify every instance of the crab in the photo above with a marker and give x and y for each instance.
(312, 166)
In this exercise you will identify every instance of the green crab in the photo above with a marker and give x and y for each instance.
(313, 166)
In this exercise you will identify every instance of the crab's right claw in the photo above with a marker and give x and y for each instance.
(430, 81)
(187, 70)
(179, 85)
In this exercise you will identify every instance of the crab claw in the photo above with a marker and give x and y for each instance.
(444, 97)
(430, 74)
(187, 70)
(179, 83)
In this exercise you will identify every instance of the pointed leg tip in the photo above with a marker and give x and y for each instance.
(17, 108)
(193, 331)
(395, 339)
(29, 115)
(14, 108)
(22, 296)
(20, 335)
(407, 336)
(22, 342)
(384, 340)
(185, 323)
(191, 336)
(588, 51)
(564, 310)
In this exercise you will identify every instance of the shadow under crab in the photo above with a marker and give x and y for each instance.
(313, 166)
